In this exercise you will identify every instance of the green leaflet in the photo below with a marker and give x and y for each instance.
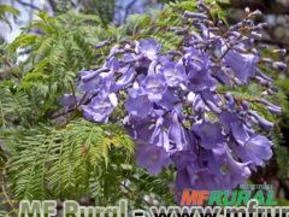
(58, 163)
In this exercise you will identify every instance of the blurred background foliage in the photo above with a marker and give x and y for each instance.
(47, 152)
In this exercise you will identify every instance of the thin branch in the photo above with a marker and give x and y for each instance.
(264, 6)
(73, 94)
(3, 188)
(103, 44)
(129, 6)
(279, 43)
(30, 5)
(52, 5)
(131, 192)
(63, 113)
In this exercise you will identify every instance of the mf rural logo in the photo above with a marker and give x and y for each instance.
(226, 198)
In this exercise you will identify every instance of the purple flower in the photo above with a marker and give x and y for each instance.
(149, 48)
(174, 74)
(200, 80)
(160, 136)
(99, 109)
(138, 104)
(179, 104)
(192, 174)
(232, 172)
(244, 65)
(213, 170)
(263, 123)
(224, 75)
(93, 82)
(152, 158)
(184, 158)
(196, 60)
(239, 132)
(211, 100)
(210, 134)
(140, 129)
(154, 86)
(183, 181)
(69, 100)
(169, 100)
(197, 102)
(177, 133)
(227, 118)
(127, 75)
(185, 162)
(256, 150)
(89, 85)
(112, 64)
(234, 126)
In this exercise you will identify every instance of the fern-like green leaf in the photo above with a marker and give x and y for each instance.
(58, 163)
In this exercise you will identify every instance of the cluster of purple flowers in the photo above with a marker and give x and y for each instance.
(174, 108)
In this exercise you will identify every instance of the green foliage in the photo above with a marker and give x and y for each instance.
(64, 46)
(7, 9)
(15, 107)
(158, 24)
(253, 93)
(105, 10)
(7, 203)
(281, 137)
(50, 163)
(71, 159)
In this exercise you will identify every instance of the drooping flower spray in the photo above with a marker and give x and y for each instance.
(175, 106)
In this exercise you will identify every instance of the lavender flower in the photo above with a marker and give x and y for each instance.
(152, 157)
(99, 109)
(244, 65)
(175, 108)
(210, 134)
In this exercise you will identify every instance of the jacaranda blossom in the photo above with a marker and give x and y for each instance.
(178, 106)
